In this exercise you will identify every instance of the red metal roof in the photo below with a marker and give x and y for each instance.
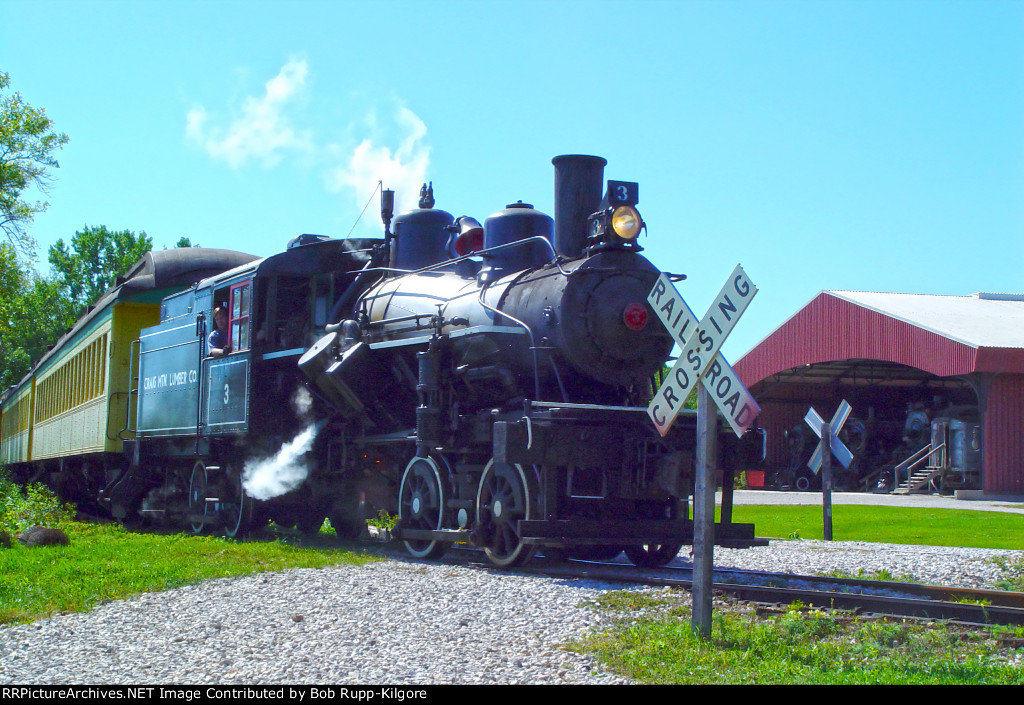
(908, 329)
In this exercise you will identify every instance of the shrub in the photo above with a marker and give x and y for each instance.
(34, 504)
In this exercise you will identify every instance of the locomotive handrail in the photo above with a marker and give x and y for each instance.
(111, 398)
(554, 368)
(569, 405)
(201, 336)
(529, 332)
(398, 319)
(168, 347)
(454, 260)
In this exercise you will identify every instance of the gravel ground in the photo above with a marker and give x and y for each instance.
(396, 622)
(936, 565)
(393, 622)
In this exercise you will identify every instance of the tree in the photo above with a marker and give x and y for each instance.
(27, 143)
(186, 242)
(14, 360)
(35, 310)
(96, 257)
(33, 314)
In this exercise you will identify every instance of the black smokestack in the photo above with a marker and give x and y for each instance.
(579, 183)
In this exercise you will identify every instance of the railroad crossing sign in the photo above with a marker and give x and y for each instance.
(838, 448)
(699, 360)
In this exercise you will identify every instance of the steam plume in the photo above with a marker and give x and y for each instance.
(266, 478)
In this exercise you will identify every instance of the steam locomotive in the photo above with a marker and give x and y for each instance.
(486, 383)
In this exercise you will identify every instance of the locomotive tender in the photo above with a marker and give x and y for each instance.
(487, 384)
(66, 421)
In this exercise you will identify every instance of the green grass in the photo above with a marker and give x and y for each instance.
(902, 525)
(652, 642)
(106, 562)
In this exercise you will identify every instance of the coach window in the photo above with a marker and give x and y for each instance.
(241, 300)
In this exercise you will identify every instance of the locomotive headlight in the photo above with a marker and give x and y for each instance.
(618, 223)
(626, 222)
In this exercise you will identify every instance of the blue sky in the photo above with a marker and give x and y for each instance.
(874, 146)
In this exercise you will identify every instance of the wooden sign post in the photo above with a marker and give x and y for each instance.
(826, 486)
(821, 459)
(704, 515)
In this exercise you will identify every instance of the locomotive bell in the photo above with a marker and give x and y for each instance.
(468, 236)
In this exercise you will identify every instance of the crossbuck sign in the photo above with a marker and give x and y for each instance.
(832, 443)
(699, 360)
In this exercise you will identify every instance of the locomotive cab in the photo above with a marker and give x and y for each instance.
(214, 415)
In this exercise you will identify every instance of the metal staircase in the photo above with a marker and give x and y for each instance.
(919, 478)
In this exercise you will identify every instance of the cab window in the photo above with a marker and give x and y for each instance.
(239, 307)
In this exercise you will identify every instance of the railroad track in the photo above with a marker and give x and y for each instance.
(964, 605)
(973, 606)
(906, 600)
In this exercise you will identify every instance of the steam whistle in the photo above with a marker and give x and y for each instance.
(427, 195)
(387, 209)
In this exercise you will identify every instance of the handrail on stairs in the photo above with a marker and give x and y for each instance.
(910, 463)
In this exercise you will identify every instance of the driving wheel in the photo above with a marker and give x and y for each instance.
(505, 496)
(421, 505)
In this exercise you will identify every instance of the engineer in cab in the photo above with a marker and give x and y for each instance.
(219, 343)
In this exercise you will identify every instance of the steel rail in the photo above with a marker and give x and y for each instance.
(916, 601)
(1007, 608)
(941, 593)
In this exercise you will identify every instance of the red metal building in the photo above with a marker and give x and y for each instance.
(891, 353)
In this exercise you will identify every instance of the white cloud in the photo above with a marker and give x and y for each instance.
(403, 170)
(263, 130)
(385, 144)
